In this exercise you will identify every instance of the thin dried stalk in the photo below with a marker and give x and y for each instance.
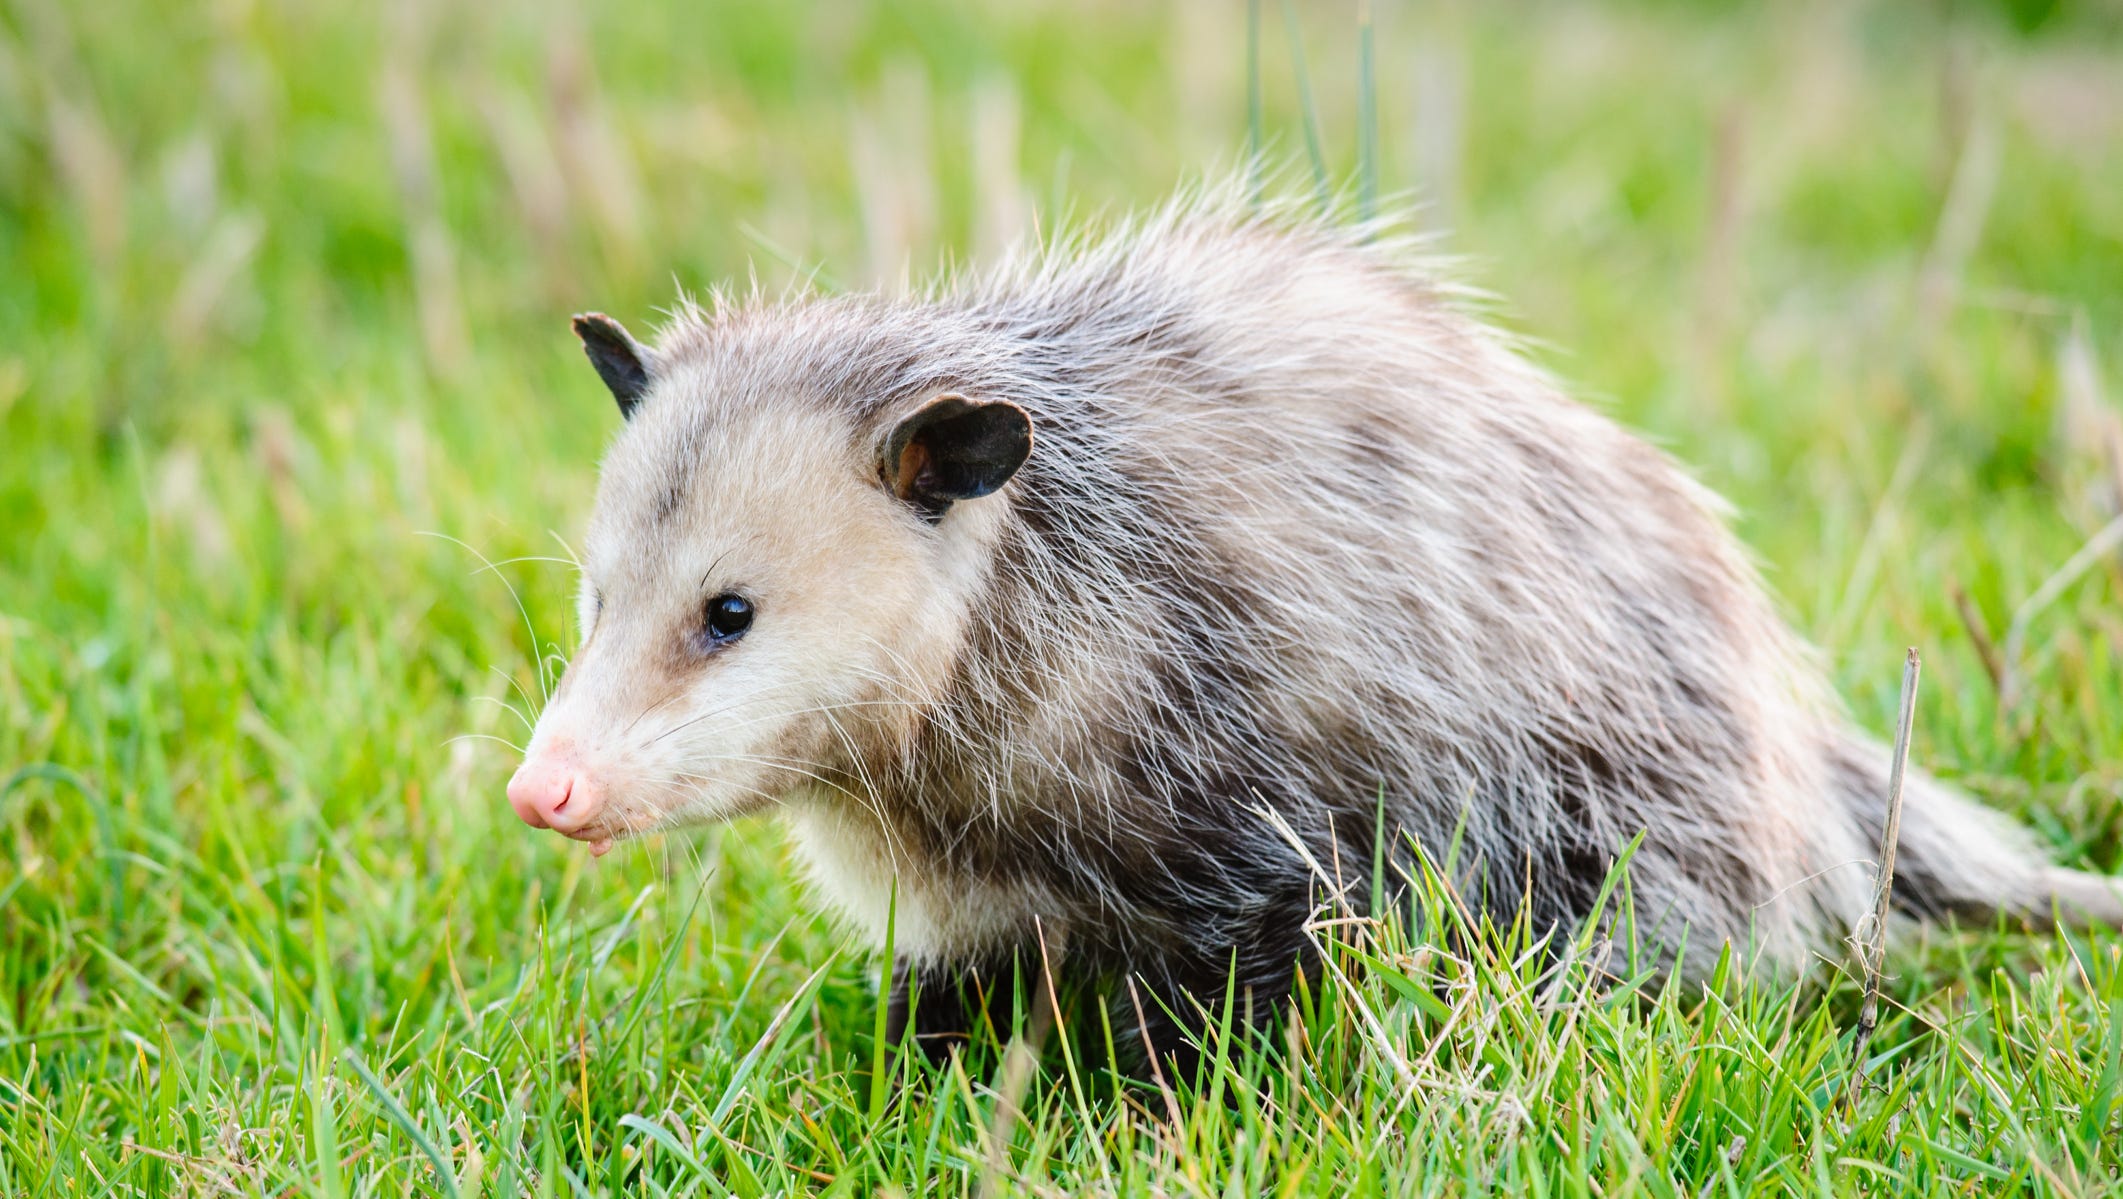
(2090, 555)
(1872, 946)
(1979, 636)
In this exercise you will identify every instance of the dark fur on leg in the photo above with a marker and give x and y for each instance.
(953, 1007)
(1183, 995)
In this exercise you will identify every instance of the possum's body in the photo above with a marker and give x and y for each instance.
(1295, 534)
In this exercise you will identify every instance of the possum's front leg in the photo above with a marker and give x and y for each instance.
(1176, 1003)
(953, 1005)
(1163, 1007)
(1157, 1012)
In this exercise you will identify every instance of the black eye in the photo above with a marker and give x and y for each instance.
(729, 615)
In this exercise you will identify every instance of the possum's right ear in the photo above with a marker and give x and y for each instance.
(621, 362)
(952, 449)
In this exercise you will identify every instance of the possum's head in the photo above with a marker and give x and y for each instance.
(775, 583)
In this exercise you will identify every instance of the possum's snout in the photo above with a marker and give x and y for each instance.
(552, 790)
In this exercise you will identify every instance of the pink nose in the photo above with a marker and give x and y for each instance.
(552, 791)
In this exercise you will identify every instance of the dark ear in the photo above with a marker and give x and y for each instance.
(952, 449)
(621, 362)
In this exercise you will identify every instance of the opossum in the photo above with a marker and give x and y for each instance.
(1078, 612)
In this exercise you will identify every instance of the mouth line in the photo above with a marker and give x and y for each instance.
(600, 840)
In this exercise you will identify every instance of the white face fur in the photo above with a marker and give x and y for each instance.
(760, 611)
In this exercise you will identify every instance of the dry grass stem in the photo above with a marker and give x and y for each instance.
(1978, 631)
(2097, 547)
(1872, 941)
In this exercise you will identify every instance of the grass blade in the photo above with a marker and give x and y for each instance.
(445, 1178)
(884, 1008)
(1366, 114)
(770, 1043)
(1314, 153)
(1256, 119)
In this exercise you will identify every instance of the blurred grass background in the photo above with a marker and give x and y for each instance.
(283, 287)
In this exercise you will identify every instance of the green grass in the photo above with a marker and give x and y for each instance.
(283, 287)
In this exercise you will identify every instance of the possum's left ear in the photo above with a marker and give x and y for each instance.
(621, 362)
(952, 449)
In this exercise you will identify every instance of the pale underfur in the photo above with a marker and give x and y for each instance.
(1297, 533)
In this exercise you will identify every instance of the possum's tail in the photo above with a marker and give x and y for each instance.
(1959, 858)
